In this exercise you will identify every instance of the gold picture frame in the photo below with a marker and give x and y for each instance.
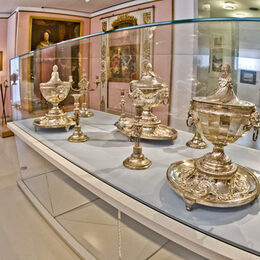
(123, 63)
(1, 60)
(123, 59)
(38, 57)
(49, 23)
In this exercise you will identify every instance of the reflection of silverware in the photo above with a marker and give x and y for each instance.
(84, 88)
(78, 136)
(196, 142)
(123, 120)
(55, 91)
(213, 179)
(153, 94)
(122, 105)
(137, 161)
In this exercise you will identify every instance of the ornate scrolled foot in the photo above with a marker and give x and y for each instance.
(188, 206)
(255, 134)
(189, 202)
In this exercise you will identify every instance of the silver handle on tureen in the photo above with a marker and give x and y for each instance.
(254, 122)
(166, 95)
(189, 120)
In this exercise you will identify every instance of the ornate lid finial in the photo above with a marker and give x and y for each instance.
(55, 80)
(55, 68)
(148, 79)
(224, 93)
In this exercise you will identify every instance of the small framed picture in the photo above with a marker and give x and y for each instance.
(248, 77)
(1, 60)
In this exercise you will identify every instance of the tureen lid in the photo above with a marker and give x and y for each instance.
(224, 93)
(147, 80)
(55, 79)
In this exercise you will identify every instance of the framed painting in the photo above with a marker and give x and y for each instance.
(46, 31)
(248, 77)
(123, 51)
(123, 64)
(216, 53)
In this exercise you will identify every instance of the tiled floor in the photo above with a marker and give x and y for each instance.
(94, 224)
(24, 234)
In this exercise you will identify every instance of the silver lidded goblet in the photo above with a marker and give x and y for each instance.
(55, 91)
(213, 179)
(154, 93)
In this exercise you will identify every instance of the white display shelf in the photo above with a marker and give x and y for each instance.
(145, 195)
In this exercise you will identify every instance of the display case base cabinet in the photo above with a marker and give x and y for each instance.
(38, 161)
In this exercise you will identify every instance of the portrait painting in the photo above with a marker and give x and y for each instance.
(45, 32)
(123, 63)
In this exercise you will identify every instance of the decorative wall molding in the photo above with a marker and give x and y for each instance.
(138, 17)
(121, 6)
(49, 10)
(123, 19)
(4, 15)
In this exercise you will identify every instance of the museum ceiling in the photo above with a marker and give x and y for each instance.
(76, 5)
(229, 8)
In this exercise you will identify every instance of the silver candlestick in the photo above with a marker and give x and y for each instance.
(78, 136)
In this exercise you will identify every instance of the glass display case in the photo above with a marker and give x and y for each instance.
(143, 84)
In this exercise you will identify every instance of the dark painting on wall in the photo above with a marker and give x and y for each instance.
(45, 32)
(123, 65)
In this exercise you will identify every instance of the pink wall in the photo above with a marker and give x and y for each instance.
(23, 45)
(3, 46)
(11, 36)
(161, 59)
(4, 74)
(162, 12)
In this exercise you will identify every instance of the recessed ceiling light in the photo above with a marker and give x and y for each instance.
(229, 6)
(239, 15)
(87, 1)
